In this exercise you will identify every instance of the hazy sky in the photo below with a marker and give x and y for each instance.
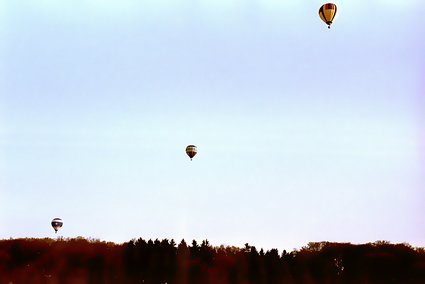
(303, 133)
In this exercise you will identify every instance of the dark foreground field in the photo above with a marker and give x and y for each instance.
(162, 261)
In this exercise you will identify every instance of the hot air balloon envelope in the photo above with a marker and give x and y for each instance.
(57, 224)
(327, 13)
(191, 151)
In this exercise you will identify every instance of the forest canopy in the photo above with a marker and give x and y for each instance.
(80, 260)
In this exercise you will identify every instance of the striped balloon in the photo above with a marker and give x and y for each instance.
(327, 13)
(191, 151)
(57, 224)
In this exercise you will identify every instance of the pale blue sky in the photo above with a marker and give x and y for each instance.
(304, 133)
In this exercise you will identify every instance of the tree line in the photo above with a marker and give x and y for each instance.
(80, 260)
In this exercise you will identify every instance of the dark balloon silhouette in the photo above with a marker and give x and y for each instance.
(57, 224)
(191, 151)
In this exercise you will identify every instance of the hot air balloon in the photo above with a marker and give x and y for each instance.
(327, 13)
(57, 224)
(191, 151)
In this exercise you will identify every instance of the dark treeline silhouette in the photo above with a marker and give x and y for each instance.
(163, 261)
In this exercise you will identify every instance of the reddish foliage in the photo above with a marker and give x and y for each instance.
(138, 261)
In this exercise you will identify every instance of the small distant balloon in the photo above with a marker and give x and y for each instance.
(327, 13)
(191, 151)
(57, 224)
